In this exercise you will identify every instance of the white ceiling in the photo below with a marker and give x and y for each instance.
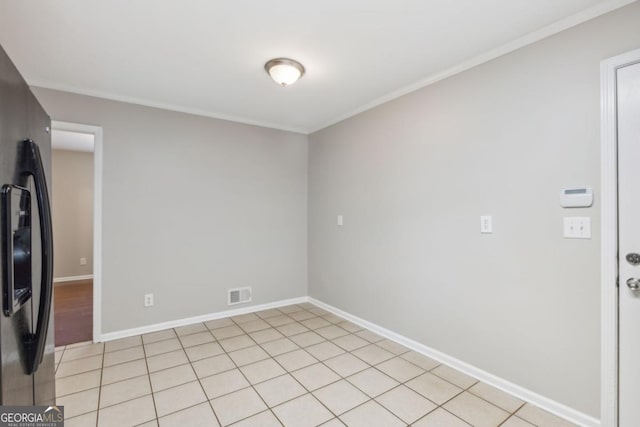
(207, 56)
(71, 141)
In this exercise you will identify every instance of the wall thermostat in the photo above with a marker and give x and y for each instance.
(576, 197)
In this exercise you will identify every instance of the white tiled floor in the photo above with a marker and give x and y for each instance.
(295, 366)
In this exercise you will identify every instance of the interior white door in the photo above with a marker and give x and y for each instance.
(628, 95)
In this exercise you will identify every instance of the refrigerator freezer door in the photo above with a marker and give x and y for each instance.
(44, 376)
(16, 386)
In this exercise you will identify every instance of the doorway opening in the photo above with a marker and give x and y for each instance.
(77, 229)
(72, 213)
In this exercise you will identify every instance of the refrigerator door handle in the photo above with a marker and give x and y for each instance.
(34, 343)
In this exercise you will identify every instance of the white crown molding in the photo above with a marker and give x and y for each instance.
(522, 393)
(163, 106)
(556, 27)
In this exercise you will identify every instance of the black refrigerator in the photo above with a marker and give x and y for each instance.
(27, 349)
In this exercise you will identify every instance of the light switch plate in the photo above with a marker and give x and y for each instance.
(486, 224)
(576, 227)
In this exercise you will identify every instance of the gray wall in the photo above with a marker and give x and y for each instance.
(192, 206)
(72, 211)
(412, 178)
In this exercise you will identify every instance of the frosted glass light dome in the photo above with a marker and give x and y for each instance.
(284, 71)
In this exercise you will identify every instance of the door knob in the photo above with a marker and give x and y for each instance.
(633, 284)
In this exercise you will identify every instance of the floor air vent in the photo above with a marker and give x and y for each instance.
(239, 295)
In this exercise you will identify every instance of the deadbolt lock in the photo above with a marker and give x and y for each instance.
(633, 258)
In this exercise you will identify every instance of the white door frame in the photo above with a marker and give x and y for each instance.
(609, 248)
(96, 131)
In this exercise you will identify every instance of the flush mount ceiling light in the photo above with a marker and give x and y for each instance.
(284, 71)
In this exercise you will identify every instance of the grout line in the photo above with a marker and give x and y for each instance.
(153, 398)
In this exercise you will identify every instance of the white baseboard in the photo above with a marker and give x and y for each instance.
(72, 278)
(522, 393)
(109, 336)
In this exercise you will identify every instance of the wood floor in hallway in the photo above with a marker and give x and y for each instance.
(73, 312)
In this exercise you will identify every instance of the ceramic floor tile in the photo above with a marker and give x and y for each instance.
(537, 416)
(315, 323)
(196, 339)
(369, 336)
(80, 382)
(315, 376)
(79, 403)
(124, 390)
(392, 346)
(370, 414)
(454, 376)
(237, 343)
(78, 344)
(333, 423)
(406, 404)
(262, 371)
(171, 377)
(177, 398)
(434, 388)
(441, 418)
(248, 355)
(372, 382)
(196, 416)
(152, 423)
(244, 318)
(124, 371)
(122, 343)
(191, 329)
(420, 360)
(224, 383)
(304, 411)
(332, 318)
(475, 411)
(85, 420)
(263, 419)
(302, 316)
(167, 360)
(279, 346)
(331, 332)
(218, 323)
(84, 351)
(290, 309)
(213, 365)
(346, 364)
(295, 360)
(306, 339)
(158, 336)
(340, 397)
(266, 335)
(372, 354)
(122, 356)
(350, 342)
(348, 326)
(399, 369)
(292, 329)
(237, 406)
(516, 422)
(227, 332)
(265, 314)
(279, 320)
(280, 389)
(325, 350)
(497, 397)
(160, 347)
(204, 351)
(130, 413)
(255, 325)
(79, 366)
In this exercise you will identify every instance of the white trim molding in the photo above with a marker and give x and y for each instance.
(72, 278)
(522, 393)
(609, 236)
(109, 336)
(96, 131)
